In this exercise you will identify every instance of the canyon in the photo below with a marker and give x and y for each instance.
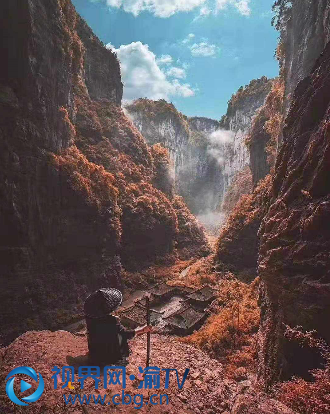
(94, 194)
(79, 194)
(206, 154)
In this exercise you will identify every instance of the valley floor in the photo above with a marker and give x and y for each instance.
(212, 386)
(206, 389)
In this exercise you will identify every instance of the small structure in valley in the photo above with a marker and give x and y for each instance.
(135, 315)
(179, 309)
(161, 291)
(202, 297)
(186, 320)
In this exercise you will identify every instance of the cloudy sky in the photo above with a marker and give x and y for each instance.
(194, 53)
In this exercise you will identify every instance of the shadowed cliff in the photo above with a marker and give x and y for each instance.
(77, 179)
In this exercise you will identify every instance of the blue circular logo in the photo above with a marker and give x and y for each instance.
(24, 385)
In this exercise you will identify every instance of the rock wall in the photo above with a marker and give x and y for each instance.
(295, 236)
(304, 32)
(264, 134)
(242, 108)
(78, 194)
(197, 174)
(206, 154)
(294, 288)
(238, 243)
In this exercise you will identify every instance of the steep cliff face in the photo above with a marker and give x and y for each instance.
(77, 180)
(197, 174)
(206, 154)
(295, 236)
(304, 30)
(160, 122)
(266, 128)
(242, 108)
(247, 168)
(238, 242)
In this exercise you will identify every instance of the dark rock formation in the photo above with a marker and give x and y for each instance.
(238, 243)
(102, 72)
(294, 257)
(304, 29)
(257, 146)
(76, 177)
(266, 128)
(241, 185)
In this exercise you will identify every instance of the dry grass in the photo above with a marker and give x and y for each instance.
(229, 333)
(163, 176)
(237, 245)
(66, 118)
(274, 124)
(241, 185)
(89, 179)
(302, 396)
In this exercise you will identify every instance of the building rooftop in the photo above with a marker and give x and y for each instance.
(135, 313)
(183, 289)
(204, 294)
(185, 318)
(161, 289)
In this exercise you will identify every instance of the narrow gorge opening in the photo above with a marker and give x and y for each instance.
(133, 161)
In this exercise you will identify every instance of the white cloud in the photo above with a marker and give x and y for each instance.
(142, 76)
(203, 12)
(221, 136)
(217, 154)
(203, 49)
(222, 4)
(166, 8)
(175, 72)
(164, 60)
(217, 140)
(160, 8)
(183, 90)
(188, 38)
(243, 6)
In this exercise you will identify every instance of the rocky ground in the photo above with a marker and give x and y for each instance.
(206, 389)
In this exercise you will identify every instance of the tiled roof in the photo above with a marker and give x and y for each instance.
(204, 294)
(185, 318)
(135, 313)
(161, 289)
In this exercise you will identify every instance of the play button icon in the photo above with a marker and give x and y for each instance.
(25, 386)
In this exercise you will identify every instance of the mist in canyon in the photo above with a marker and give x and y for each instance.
(206, 154)
(96, 192)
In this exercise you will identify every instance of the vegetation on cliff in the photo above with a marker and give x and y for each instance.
(257, 87)
(81, 191)
(294, 259)
(238, 243)
(229, 334)
(240, 186)
(155, 111)
(265, 132)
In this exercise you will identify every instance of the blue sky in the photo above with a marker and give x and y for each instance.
(194, 53)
